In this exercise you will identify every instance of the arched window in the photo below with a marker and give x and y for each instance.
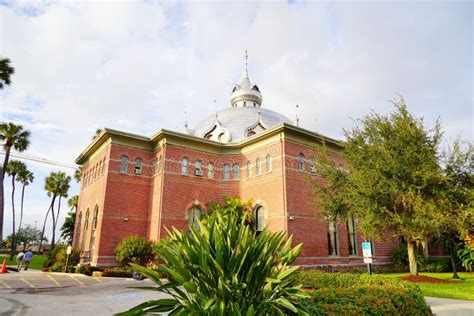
(84, 234)
(197, 168)
(93, 230)
(312, 165)
(236, 171)
(351, 236)
(301, 162)
(226, 171)
(258, 167)
(138, 166)
(184, 165)
(124, 164)
(249, 169)
(269, 163)
(210, 171)
(333, 249)
(251, 133)
(259, 218)
(102, 167)
(194, 216)
(78, 231)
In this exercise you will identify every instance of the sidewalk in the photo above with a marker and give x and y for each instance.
(451, 307)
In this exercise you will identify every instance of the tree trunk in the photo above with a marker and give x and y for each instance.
(2, 178)
(21, 209)
(424, 246)
(452, 252)
(44, 227)
(13, 245)
(411, 245)
(59, 209)
(53, 238)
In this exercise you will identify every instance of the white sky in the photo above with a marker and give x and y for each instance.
(137, 66)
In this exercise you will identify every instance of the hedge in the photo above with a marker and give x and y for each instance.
(359, 294)
(120, 272)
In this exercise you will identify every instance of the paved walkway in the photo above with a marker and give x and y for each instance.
(450, 307)
(36, 280)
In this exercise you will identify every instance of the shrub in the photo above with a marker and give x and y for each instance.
(466, 255)
(225, 268)
(360, 294)
(134, 249)
(367, 300)
(436, 265)
(315, 279)
(86, 269)
(399, 256)
(120, 272)
(56, 261)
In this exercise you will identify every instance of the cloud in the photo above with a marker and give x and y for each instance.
(138, 66)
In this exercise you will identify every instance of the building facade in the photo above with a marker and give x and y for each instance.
(137, 185)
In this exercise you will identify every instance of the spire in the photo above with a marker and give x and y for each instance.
(297, 117)
(185, 120)
(246, 73)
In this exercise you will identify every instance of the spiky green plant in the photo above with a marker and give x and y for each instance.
(224, 268)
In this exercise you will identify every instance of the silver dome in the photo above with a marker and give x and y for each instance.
(237, 123)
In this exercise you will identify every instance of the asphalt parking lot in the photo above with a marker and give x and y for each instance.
(39, 293)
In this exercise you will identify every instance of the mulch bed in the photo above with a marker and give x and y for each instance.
(423, 279)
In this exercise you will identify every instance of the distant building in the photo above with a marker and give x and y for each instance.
(137, 185)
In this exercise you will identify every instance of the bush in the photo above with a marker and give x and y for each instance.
(315, 279)
(86, 269)
(436, 265)
(399, 256)
(225, 268)
(367, 300)
(134, 249)
(120, 272)
(360, 294)
(56, 261)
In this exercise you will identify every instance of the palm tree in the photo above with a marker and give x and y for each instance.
(13, 168)
(12, 135)
(78, 174)
(25, 177)
(6, 71)
(56, 184)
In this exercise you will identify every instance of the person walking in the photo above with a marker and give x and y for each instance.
(28, 256)
(19, 260)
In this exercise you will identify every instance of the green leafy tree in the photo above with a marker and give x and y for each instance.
(56, 186)
(25, 177)
(457, 195)
(135, 249)
(16, 137)
(392, 179)
(14, 167)
(67, 230)
(26, 236)
(225, 269)
(6, 72)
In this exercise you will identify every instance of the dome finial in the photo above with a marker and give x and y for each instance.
(246, 74)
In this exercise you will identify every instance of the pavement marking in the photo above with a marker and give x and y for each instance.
(98, 280)
(54, 281)
(5, 284)
(82, 284)
(29, 283)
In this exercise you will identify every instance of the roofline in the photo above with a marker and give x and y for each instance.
(102, 137)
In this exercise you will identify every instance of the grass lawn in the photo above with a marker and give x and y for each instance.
(36, 262)
(463, 289)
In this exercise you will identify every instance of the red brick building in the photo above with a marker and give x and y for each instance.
(137, 185)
